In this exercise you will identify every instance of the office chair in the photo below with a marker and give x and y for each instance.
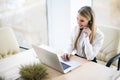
(117, 57)
(110, 47)
(8, 42)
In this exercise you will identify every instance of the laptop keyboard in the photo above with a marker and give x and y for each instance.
(65, 66)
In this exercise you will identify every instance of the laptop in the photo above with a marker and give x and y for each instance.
(50, 57)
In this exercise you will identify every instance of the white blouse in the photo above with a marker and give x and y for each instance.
(90, 50)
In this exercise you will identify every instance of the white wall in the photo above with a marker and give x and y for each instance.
(58, 22)
(61, 16)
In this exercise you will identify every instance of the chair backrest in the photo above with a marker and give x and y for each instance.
(111, 43)
(8, 42)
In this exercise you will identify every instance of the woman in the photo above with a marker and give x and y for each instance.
(86, 39)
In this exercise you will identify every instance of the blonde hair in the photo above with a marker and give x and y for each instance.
(88, 13)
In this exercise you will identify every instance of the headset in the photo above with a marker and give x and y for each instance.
(90, 24)
(90, 21)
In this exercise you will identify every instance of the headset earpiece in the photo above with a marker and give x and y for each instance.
(90, 23)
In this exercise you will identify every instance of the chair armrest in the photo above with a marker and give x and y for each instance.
(113, 59)
(23, 47)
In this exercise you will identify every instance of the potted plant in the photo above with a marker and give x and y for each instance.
(1, 78)
(33, 72)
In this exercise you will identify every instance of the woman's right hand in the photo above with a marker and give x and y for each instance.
(66, 56)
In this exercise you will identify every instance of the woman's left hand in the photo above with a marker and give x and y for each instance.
(87, 31)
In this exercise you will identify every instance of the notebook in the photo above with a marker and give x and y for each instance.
(50, 57)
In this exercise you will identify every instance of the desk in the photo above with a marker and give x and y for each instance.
(88, 70)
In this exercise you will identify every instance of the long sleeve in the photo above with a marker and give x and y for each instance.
(91, 50)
